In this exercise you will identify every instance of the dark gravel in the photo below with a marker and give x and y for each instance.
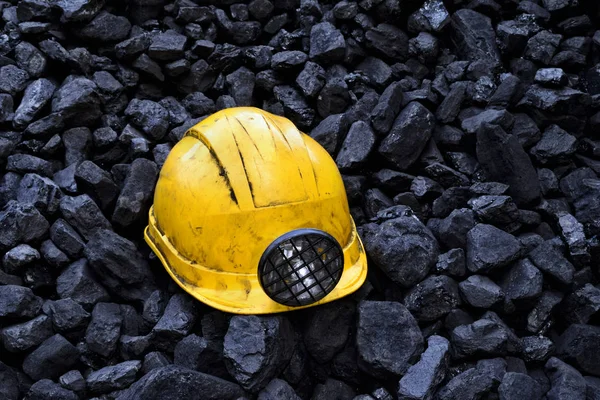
(466, 133)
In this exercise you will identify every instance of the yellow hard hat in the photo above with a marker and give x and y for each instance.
(250, 216)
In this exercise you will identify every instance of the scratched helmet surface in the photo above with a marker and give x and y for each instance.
(250, 216)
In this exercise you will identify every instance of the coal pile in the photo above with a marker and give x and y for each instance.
(467, 133)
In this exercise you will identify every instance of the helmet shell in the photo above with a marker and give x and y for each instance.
(236, 182)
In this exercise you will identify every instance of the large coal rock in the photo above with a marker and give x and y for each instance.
(21, 223)
(327, 330)
(175, 382)
(120, 266)
(490, 248)
(504, 160)
(18, 302)
(408, 136)
(388, 339)
(403, 248)
(256, 349)
(55, 356)
(422, 379)
(433, 298)
(578, 345)
(474, 36)
(78, 102)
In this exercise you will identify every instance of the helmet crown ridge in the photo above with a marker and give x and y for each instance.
(263, 149)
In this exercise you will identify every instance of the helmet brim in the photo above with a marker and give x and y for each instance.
(242, 293)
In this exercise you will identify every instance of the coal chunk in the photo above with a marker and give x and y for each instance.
(119, 265)
(55, 356)
(97, 182)
(408, 136)
(582, 304)
(21, 223)
(403, 248)
(256, 348)
(389, 41)
(378, 72)
(516, 385)
(311, 79)
(36, 96)
(482, 338)
(496, 117)
(278, 389)
(241, 84)
(480, 291)
(470, 384)
(105, 27)
(21, 337)
(474, 36)
(333, 98)
(566, 381)
(450, 106)
(53, 256)
(564, 106)
(134, 200)
(504, 160)
(197, 104)
(6, 108)
(46, 389)
(327, 43)
(114, 377)
(295, 106)
(167, 46)
(551, 77)
(551, 260)
(537, 348)
(150, 116)
(78, 283)
(356, 147)
(17, 258)
(66, 315)
(40, 192)
(148, 67)
(66, 239)
(78, 101)
(572, 233)
(542, 47)
(490, 248)
(388, 338)
(540, 315)
(433, 298)
(422, 379)
(555, 146)
(288, 60)
(77, 143)
(497, 210)
(333, 322)
(387, 108)
(452, 231)
(14, 80)
(197, 353)
(177, 382)
(330, 132)
(102, 334)
(578, 345)
(333, 388)
(83, 214)
(176, 322)
(522, 282)
(452, 263)
(23, 163)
